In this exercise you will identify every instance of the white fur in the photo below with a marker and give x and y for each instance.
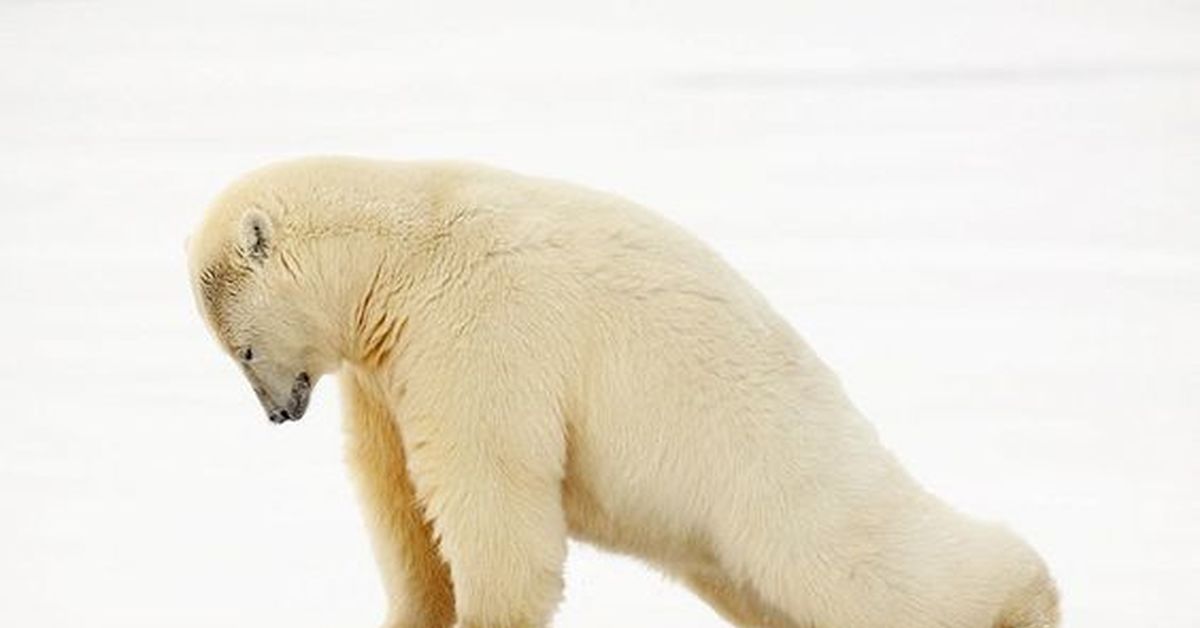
(526, 359)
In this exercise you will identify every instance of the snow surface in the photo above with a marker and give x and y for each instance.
(985, 215)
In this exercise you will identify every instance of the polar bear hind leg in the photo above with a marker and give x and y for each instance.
(738, 604)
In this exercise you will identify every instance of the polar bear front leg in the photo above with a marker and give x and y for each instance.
(416, 579)
(488, 465)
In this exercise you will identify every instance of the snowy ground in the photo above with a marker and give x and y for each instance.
(985, 215)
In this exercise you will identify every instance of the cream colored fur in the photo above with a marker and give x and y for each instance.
(524, 360)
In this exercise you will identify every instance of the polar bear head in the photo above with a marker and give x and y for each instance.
(248, 279)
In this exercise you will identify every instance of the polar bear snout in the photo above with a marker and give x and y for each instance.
(295, 406)
(282, 416)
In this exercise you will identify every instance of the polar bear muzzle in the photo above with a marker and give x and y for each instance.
(296, 404)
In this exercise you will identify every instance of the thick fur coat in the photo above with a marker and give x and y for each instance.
(524, 360)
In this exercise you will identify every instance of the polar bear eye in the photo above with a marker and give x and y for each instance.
(246, 354)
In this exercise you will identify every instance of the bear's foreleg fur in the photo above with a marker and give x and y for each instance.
(416, 579)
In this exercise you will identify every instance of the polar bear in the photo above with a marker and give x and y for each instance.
(524, 360)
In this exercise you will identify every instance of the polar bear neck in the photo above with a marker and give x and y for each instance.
(363, 250)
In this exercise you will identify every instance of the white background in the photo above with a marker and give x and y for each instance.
(985, 215)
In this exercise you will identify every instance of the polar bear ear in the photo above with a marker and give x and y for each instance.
(255, 241)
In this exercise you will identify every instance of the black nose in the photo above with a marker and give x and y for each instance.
(281, 416)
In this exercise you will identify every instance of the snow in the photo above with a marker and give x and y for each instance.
(985, 216)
